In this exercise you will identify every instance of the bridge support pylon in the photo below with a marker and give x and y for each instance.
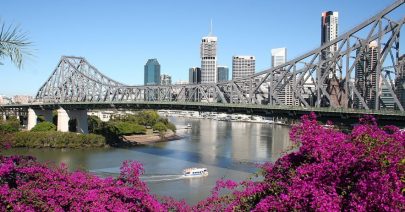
(81, 120)
(33, 116)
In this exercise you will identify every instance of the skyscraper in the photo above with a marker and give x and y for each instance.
(285, 94)
(278, 56)
(223, 73)
(400, 81)
(194, 75)
(165, 79)
(366, 76)
(243, 66)
(152, 72)
(208, 54)
(329, 31)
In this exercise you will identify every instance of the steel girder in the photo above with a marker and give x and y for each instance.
(310, 80)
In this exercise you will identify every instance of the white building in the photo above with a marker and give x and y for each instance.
(165, 79)
(243, 66)
(181, 82)
(278, 56)
(20, 99)
(5, 100)
(208, 54)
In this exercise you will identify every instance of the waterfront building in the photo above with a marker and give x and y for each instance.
(194, 75)
(21, 99)
(243, 66)
(223, 73)
(5, 100)
(366, 76)
(152, 72)
(165, 79)
(208, 54)
(181, 82)
(278, 56)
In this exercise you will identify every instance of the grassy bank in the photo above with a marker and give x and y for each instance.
(56, 139)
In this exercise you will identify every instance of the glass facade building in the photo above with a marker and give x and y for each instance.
(152, 72)
(194, 75)
(223, 73)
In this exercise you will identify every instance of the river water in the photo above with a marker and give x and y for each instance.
(227, 149)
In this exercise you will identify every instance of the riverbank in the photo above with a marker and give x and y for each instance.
(154, 137)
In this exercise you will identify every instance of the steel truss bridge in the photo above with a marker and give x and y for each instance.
(322, 80)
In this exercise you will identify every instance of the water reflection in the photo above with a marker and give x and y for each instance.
(227, 149)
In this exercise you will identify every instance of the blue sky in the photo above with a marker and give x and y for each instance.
(118, 37)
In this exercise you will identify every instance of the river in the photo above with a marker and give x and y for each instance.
(227, 149)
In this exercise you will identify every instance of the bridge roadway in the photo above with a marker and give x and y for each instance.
(323, 113)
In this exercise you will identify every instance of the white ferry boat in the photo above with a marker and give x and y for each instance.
(195, 172)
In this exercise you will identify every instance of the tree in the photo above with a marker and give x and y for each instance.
(44, 126)
(13, 44)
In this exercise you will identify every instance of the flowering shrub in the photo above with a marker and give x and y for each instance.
(331, 171)
(26, 185)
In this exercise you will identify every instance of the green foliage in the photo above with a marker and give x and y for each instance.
(13, 44)
(95, 124)
(144, 117)
(40, 118)
(44, 126)
(9, 126)
(160, 126)
(171, 127)
(126, 128)
(57, 139)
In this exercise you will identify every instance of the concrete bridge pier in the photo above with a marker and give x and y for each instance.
(4, 117)
(81, 120)
(33, 116)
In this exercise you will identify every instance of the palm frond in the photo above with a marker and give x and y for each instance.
(13, 44)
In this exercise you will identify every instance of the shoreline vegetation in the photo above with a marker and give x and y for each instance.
(361, 170)
(140, 128)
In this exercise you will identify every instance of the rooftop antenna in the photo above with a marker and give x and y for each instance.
(211, 28)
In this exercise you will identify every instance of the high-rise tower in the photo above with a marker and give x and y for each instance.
(152, 72)
(278, 56)
(223, 73)
(366, 76)
(208, 54)
(329, 31)
(400, 81)
(243, 66)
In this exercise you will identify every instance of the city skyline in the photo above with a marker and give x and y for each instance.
(117, 59)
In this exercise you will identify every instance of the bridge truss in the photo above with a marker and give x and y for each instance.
(319, 78)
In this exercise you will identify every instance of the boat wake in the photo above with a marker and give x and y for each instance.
(161, 178)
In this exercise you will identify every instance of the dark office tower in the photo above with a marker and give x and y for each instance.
(194, 75)
(366, 76)
(152, 72)
(223, 73)
(400, 81)
(329, 31)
